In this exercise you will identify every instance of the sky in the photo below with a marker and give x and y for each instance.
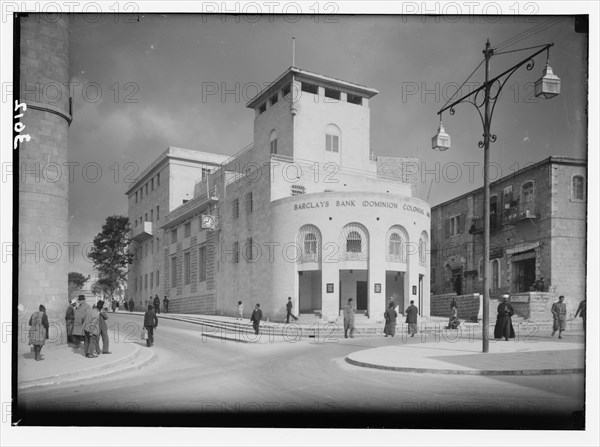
(183, 80)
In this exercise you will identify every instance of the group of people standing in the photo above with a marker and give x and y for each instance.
(130, 305)
(390, 316)
(87, 324)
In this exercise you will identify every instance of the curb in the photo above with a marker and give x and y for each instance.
(475, 372)
(83, 374)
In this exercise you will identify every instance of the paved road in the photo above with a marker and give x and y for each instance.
(210, 382)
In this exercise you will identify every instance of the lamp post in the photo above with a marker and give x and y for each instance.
(548, 86)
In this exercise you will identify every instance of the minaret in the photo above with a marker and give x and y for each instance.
(43, 250)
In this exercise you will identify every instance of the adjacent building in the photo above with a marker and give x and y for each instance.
(537, 239)
(306, 211)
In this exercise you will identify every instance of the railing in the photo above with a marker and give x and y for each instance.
(142, 232)
(193, 203)
(519, 212)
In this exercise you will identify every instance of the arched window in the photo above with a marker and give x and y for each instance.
(353, 242)
(332, 138)
(577, 187)
(310, 244)
(395, 246)
(423, 250)
(273, 142)
(527, 191)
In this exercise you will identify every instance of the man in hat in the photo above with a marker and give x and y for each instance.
(256, 317)
(81, 309)
(412, 312)
(156, 303)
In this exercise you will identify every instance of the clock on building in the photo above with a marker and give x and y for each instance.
(208, 221)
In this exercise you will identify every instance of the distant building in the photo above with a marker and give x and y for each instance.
(538, 230)
(306, 212)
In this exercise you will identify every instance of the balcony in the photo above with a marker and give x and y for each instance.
(477, 224)
(519, 212)
(142, 232)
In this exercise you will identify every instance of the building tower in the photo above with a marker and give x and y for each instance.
(43, 185)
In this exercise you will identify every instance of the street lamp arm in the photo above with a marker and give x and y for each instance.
(510, 71)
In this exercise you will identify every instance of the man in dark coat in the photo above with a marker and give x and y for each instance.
(131, 305)
(581, 311)
(411, 318)
(559, 313)
(504, 327)
(255, 318)
(81, 310)
(390, 319)
(156, 304)
(289, 314)
(70, 320)
(150, 323)
(166, 304)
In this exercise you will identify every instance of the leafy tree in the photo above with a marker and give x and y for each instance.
(76, 282)
(111, 256)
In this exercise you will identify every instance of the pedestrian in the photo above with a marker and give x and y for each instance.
(113, 305)
(256, 317)
(126, 304)
(504, 327)
(150, 323)
(288, 307)
(103, 328)
(240, 311)
(581, 312)
(391, 301)
(38, 333)
(81, 310)
(91, 327)
(453, 304)
(131, 305)
(411, 318)
(559, 312)
(349, 319)
(390, 319)
(156, 304)
(166, 304)
(453, 321)
(70, 321)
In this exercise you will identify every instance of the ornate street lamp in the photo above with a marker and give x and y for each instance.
(547, 87)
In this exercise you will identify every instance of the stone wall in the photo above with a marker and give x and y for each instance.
(468, 305)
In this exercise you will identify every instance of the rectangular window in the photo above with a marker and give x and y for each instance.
(151, 215)
(332, 93)
(146, 281)
(146, 188)
(158, 179)
(274, 99)
(236, 252)
(286, 90)
(577, 190)
(262, 108)
(186, 268)
(354, 99)
(152, 184)
(157, 213)
(141, 283)
(454, 225)
(157, 278)
(202, 262)
(173, 272)
(135, 223)
(141, 192)
(273, 146)
(235, 208)
(136, 197)
(249, 204)
(157, 244)
(173, 236)
(187, 229)
(146, 217)
(310, 88)
(151, 280)
(152, 246)
(332, 143)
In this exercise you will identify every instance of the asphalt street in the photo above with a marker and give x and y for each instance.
(209, 382)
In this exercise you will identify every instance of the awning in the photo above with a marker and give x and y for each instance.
(522, 256)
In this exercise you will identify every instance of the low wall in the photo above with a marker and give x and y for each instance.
(468, 305)
(534, 306)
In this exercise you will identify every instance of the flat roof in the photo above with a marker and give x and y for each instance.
(286, 76)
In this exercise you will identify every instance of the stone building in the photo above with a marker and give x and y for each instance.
(306, 211)
(537, 239)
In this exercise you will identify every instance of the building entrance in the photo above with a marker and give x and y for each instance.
(309, 294)
(394, 287)
(354, 284)
(524, 272)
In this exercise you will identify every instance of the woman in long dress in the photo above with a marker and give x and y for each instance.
(390, 320)
(38, 333)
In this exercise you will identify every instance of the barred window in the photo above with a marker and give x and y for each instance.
(577, 187)
(235, 208)
(310, 244)
(173, 272)
(249, 204)
(186, 268)
(353, 242)
(202, 262)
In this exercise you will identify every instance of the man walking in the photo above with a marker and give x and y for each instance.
(581, 312)
(349, 319)
(255, 318)
(411, 318)
(156, 304)
(150, 323)
(289, 306)
(559, 313)
(166, 304)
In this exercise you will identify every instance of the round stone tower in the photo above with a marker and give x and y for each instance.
(43, 248)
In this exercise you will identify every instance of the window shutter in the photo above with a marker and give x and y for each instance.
(447, 230)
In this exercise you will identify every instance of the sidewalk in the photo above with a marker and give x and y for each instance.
(466, 357)
(64, 364)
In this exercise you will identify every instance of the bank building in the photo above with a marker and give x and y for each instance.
(306, 211)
